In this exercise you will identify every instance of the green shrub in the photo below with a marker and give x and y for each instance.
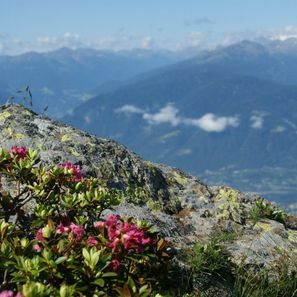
(54, 241)
(210, 258)
(264, 209)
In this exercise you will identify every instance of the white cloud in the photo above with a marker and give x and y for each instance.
(123, 40)
(86, 97)
(212, 123)
(14, 46)
(129, 109)
(167, 114)
(278, 129)
(196, 38)
(256, 121)
(116, 42)
(170, 115)
(147, 42)
(44, 43)
(285, 33)
(280, 34)
(230, 37)
(68, 39)
(184, 152)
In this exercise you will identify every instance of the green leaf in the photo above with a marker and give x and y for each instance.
(86, 254)
(46, 232)
(143, 289)
(109, 274)
(60, 260)
(66, 291)
(131, 284)
(100, 282)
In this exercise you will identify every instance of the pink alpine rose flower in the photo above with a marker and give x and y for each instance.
(135, 238)
(112, 219)
(6, 293)
(9, 293)
(115, 264)
(125, 235)
(62, 229)
(74, 169)
(37, 248)
(20, 152)
(92, 241)
(78, 230)
(39, 235)
(100, 225)
(114, 244)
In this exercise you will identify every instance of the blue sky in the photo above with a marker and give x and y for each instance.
(119, 24)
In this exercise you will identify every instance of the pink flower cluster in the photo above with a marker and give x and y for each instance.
(123, 235)
(20, 152)
(9, 293)
(92, 241)
(75, 170)
(37, 247)
(77, 230)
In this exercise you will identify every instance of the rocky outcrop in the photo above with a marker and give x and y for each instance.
(184, 209)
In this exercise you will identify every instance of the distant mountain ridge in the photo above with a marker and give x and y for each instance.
(227, 115)
(62, 79)
(233, 109)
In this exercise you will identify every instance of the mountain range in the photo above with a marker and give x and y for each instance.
(227, 115)
(62, 79)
